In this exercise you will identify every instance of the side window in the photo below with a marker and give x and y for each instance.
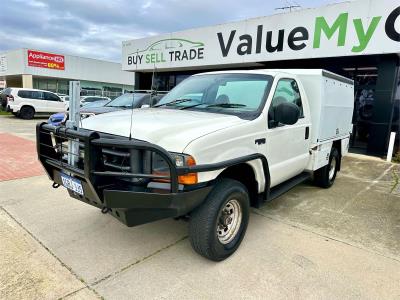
(287, 90)
(25, 94)
(247, 93)
(51, 97)
(30, 94)
(36, 95)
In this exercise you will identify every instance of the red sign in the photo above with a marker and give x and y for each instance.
(46, 60)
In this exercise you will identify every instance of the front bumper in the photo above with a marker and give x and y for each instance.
(139, 205)
(131, 201)
(132, 204)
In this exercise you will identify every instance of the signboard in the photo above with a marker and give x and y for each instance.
(46, 60)
(346, 29)
(3, 64)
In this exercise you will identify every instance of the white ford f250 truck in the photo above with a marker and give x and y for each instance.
(215, 145)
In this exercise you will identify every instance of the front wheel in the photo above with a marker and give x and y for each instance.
(218, 226)
(325, 176)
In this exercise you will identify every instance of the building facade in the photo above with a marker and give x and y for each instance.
(49, 71)
(357, 39)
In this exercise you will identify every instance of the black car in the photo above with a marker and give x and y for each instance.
(125, 101)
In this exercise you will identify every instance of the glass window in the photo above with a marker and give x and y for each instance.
(287, 90)
(37, 95)
(93, 99)
(127, 100)
(51, 97)
(30, 94)
(244, 92)
(24, 94)
(232, 93)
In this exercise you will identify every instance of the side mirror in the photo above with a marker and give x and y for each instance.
(286, 113)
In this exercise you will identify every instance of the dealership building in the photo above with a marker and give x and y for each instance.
(49, 71)
(357, 39)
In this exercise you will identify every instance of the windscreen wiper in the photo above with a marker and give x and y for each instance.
(226, 105)
(173, 102)
(190, 106)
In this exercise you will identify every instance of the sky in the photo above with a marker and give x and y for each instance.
(96, 28)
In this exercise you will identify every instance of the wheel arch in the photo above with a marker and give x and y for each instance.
(246, 173)
(338, 146)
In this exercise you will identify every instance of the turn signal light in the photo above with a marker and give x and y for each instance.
(190, 178)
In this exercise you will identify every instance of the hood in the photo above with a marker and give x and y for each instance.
(169, 128)
(99, 110)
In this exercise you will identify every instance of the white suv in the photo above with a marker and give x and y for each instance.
(25, 103)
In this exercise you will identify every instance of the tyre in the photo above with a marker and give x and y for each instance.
(27, 112)
(217, 227)
(325, 176)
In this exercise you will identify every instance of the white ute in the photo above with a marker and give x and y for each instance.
(215, 145)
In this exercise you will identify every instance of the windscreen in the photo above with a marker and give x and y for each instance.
(126, 100)
(221, 93)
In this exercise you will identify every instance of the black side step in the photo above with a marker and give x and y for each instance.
(287, 185)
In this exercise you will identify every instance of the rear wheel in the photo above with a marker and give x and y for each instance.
(325, 176)
(218, 226)
(27, 112)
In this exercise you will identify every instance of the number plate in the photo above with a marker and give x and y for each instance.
(72, 184)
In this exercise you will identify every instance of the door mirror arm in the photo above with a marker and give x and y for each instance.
(272, 124)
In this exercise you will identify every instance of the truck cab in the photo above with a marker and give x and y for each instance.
(215, 145)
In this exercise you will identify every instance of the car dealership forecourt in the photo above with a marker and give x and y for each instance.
(311, 242)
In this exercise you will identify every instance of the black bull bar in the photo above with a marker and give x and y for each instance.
(132, 204)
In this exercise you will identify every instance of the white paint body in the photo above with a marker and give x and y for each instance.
(212, 138)
(39, 104)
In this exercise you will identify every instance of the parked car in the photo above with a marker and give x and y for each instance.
(215, 145)
(125, 101)
(61, 117)
(26, 103)
(98, 103)
(63, 97)
(57, 119)
(87, 99)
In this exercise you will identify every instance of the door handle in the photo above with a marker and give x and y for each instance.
(260, 141)
(307, 134)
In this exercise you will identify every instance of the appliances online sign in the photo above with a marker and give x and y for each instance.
(46, 60)
(345, 29)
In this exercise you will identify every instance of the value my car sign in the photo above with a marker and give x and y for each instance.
(46, 60)
(363, 27)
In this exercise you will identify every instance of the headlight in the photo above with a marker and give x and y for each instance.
(160, 167)
(86, 115)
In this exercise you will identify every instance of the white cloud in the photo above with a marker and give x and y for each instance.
(96, 28)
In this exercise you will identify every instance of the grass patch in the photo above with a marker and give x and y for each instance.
(4, 113)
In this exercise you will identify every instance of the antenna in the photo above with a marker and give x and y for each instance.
(289, 6)
(133, 98)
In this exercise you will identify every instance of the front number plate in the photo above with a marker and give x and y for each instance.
(72, 184)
